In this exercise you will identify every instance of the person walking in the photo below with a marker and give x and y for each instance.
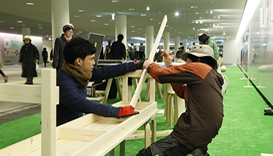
(45, 56)
(118, 49)
(141, 54)
(29, 56)
(51, 55)
(1, 65)
(60, 42)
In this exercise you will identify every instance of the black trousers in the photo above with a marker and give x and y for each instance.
(167, 146)
(45, 62)
(2, 73)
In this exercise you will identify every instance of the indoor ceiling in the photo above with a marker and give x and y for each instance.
(218, 18)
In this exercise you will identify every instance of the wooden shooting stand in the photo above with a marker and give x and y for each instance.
(88, 135)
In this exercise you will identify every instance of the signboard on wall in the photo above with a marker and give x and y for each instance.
(11, 45)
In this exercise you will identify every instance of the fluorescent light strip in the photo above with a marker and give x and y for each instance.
(248, 13)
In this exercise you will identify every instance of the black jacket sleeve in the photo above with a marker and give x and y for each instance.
(56, 53)
(21, 55)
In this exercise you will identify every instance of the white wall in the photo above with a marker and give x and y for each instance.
(230, 51)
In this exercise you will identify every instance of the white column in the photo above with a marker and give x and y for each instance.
(121, 28)
(177, 43)
(191, 45)
(166, 41)
(185, 44)
(149, 34)
(25, 32)
(230, 51)
(59, 17)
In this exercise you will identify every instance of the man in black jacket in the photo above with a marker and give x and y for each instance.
(60, 42)
(118, 49)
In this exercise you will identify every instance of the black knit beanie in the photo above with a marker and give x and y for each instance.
(203, 38)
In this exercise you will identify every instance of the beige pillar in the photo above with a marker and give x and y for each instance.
(59, 17)
(149, 34)
(25, 32)
(121, 28)
(166, 41)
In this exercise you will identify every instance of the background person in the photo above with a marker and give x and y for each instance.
(45, 56)
(29, 56)
(118, 49)
(107, 53)
(60, 42)
(133, 54)
(205, 39)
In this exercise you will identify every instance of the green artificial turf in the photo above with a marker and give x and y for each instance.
(245, 130)
(18, 130)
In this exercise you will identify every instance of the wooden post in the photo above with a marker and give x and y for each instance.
(153, 129)
(48, 112)
(107, 90)
(130, 92)
(152, 53)
(152, 89)
(147, 134)
(170, 109)
(248, 84)
(135, 85)
(252, 78)
(179, 108)
(117, 80)
(147, 90)
(260, 83)
(122, 148)
(243, 77)
(112, 152)
(158, 90)
(124, 88)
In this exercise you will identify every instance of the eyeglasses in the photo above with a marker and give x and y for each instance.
(71, 32)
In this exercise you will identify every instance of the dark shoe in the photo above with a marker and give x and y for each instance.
(6, 79)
